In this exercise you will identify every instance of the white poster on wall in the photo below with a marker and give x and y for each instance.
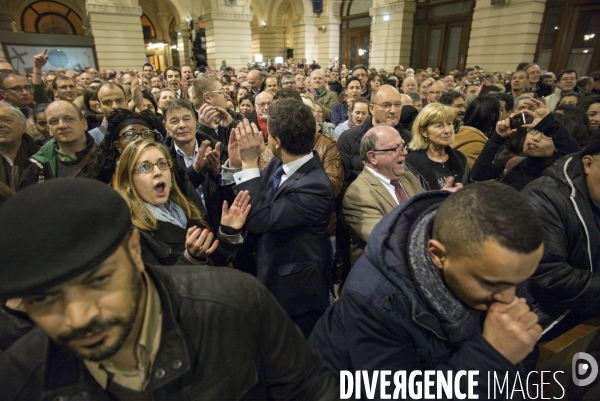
(69, 58)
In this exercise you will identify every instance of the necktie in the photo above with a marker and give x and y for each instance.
(276, 180)
(401, 195)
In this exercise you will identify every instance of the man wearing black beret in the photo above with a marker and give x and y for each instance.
(567, 201)
(109, 327)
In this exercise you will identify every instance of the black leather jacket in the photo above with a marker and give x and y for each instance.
(568, 275)
(224, 337)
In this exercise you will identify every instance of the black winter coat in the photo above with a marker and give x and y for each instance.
(568, 276)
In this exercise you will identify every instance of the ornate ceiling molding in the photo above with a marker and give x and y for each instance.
(113, 9)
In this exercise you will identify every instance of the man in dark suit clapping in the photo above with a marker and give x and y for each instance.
(291, 201)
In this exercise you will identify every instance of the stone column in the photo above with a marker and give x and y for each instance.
(391, 34)
(328, 40)
(305, 38)
(228, 37)
(506, 35)
(183, 44)
(163, 15)
(118, 35)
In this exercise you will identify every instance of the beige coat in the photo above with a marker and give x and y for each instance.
(367, 201)
(469, 141)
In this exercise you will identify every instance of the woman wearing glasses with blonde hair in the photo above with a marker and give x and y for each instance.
(172, 229)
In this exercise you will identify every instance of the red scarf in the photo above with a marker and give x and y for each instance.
(263, 127)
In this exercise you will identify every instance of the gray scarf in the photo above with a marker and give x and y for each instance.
(170, 213)
(459, 321)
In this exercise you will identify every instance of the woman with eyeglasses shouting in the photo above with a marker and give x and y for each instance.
(124, 128)
(172, 229)
(545, 142)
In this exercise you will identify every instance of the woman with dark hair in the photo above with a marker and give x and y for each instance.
(591, 105)
(91, 108)
(359, 111)
(574, 127)
(546, 141)
(151, 105)
(478, 124)
(41, 136)
(239, 93)
(124, 128)
(339, 112)
(246, 107)
(374, 81)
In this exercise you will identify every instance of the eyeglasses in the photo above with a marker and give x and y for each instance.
(130, 135)
(397, 150)
(147, 167)
(219, 91)
(567, 79)
(387, 106)
(26, 88)
(534, 132)
(436, 93)
(263, 104)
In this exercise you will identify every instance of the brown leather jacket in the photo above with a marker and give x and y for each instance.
(330, 158)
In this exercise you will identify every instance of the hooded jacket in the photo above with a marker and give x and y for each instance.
(567, 277)
(382, 322)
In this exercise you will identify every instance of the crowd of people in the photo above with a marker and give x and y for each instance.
(321, 219)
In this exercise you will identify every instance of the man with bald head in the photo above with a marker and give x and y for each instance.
(406, 100)
(326, 98)
(67, 154)
(385, 108)
(84, 79)
(255, 81)
(271, 85)
(381, 186)
(434, 91)
(5, 66)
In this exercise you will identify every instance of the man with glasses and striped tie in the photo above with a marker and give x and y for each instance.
(381, 186)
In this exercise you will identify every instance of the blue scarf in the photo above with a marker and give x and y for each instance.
(170, 213)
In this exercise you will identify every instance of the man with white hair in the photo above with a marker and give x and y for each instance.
(261, 104)
(326, 98)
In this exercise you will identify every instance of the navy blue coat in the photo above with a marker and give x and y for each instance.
(381, 321)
